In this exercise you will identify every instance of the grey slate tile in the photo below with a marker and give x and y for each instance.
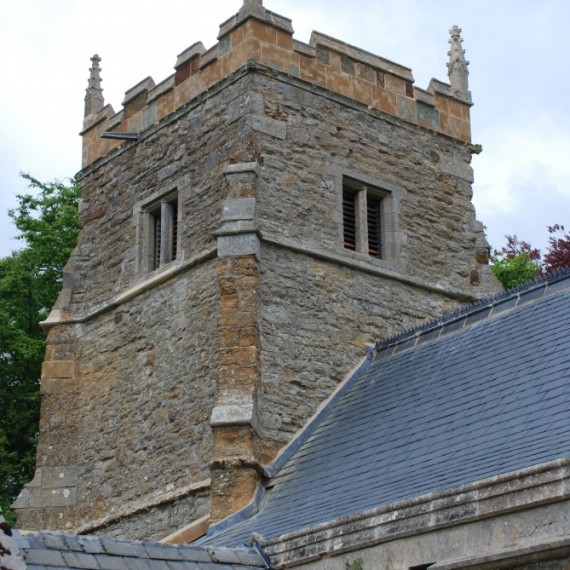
(194, 553)
(90, 544)
(80, 560)
(162, 551)
(73, 543)
(45, 557)
(134, 563)
(52, 550)
(123, 547)
(108, 562)
(223, 555)
(182, 565)
(211, 566)
(56, 541)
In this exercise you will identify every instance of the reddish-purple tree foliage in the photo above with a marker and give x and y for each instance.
(515, 247)
(558, 254)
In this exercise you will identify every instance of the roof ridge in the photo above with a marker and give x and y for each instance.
(473, 312)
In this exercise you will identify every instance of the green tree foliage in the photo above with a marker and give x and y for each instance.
(30, 280)
(517, 262)
(514, 271)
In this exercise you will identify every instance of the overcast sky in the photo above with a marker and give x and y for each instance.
(519, 52)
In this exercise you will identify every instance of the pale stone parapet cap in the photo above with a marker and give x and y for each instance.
(209, 56)
(304, 48)
(147, 84)
(94, 118)
(437, 86)
(255, 9)
(161, 88)
(424, 96)
(363, 56)
(117, 119)
(196, 49)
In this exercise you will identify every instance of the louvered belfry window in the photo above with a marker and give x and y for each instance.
(174, 230)
(163, 233)
(362, 219)
(157, 222)
(349, 218)
(374, 230)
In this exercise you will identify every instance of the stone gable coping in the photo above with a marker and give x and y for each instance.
(106, 113)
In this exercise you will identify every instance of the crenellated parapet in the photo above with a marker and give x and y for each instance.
(258, 37)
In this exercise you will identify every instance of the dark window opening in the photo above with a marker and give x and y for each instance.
(374, 229)
(157, 239)
(163, 233)
(349, 218)
(362, 219)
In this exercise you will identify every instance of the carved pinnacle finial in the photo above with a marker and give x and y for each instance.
(457, 66)
(94, 100)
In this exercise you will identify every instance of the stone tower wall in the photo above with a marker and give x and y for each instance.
(130, 423)
(166, 390)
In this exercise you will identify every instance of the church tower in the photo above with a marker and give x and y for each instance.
(249, 226)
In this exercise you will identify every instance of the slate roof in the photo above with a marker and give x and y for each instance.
(43, 551)
(483, 392)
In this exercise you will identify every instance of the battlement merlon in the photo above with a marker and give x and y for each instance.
(257, 35)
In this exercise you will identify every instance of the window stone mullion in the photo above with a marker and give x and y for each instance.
(167, 225)
(361, 221)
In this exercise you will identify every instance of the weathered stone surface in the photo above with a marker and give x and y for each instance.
(154, 523)
(146, 393)
(263, 308)
(515, 520)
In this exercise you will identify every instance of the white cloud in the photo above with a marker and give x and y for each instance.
(533, 156)
(523, 180)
